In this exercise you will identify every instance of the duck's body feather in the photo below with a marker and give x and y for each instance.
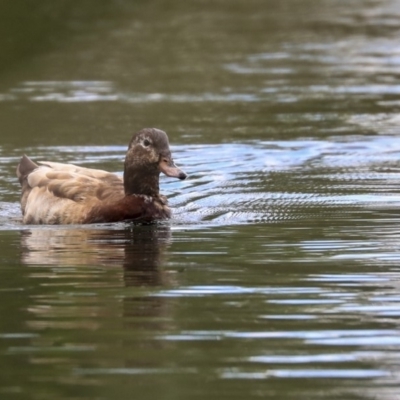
(57, 193)
(64, 193)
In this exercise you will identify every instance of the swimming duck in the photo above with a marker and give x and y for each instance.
(56, 193)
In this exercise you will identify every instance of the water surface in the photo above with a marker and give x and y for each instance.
(277, 276)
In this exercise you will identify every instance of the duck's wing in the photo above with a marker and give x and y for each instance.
(93, 173)
(76, 183)
(64, 193)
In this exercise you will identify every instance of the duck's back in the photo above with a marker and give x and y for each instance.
(56, 193)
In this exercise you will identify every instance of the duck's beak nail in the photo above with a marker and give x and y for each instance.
(170, 169)
(182, 176)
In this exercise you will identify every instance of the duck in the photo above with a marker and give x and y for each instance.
(54, 193)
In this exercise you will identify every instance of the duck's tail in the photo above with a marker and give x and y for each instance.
(25, 167)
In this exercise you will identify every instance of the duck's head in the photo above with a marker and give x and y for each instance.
(148, 154)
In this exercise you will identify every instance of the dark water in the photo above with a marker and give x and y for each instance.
(279, 274)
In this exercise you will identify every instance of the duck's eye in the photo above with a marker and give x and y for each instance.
(146, 143)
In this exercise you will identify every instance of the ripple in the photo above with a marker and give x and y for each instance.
(133, 371)
(223, 290)
(106, 91)
(260, 181)
(316, 358)
(307, 373)
(50, 349)
(343, 337)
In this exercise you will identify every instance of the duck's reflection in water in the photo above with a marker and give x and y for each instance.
(100, 259)
(133, 247)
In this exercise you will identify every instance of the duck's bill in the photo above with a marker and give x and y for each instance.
(170, 169)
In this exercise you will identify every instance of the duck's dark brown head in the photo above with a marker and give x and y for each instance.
(148, 155)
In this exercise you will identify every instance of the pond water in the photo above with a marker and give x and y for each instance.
(278, 275)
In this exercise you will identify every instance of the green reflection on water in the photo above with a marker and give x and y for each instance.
(184, 310)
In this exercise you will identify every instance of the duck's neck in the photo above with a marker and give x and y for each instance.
(141, 182)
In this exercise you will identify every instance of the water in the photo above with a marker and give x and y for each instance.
(277, 276)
